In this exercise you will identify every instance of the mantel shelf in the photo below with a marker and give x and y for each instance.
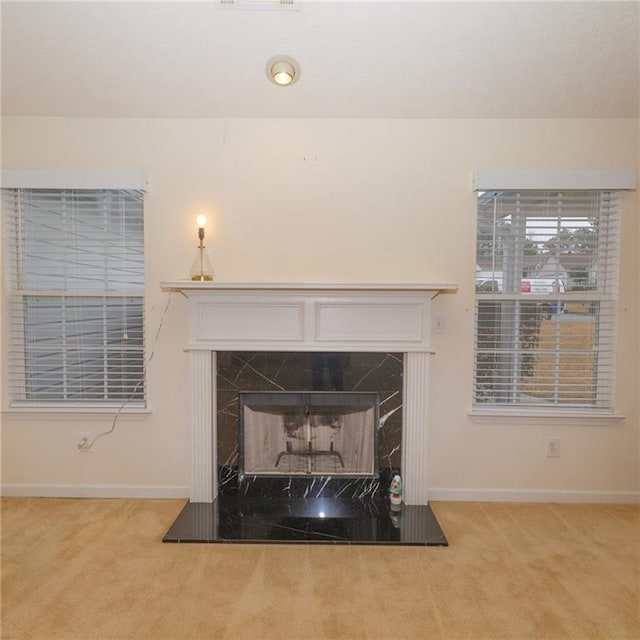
(430, 287)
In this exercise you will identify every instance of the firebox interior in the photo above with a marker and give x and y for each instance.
(308, 433)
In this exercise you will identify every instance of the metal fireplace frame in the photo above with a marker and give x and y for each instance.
(374, 403)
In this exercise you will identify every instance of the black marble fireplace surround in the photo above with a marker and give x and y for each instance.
(319, 508)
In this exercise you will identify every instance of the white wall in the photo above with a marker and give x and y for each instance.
(331, 200)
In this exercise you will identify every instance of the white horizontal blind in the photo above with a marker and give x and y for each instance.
(546, 292)
(75, 270)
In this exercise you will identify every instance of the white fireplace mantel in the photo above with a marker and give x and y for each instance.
(225, 316)
(190, 285)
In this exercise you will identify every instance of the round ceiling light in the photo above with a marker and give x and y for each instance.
(282, 70)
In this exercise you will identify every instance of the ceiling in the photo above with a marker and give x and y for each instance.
(358, 59)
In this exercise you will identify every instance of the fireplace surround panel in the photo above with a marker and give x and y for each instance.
(323, 423)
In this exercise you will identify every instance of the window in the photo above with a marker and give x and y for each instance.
(75, 285)
(546, 289)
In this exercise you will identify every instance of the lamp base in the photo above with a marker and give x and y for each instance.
(201, 268)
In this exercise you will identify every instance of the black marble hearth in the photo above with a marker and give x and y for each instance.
(311, 510)
(335, 520)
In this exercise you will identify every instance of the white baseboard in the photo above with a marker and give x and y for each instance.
(92, 491)
(529, 495)
(435, 495)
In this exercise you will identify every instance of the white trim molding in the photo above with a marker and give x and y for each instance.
(73, 179)
(93, 491)
(156, 492)
(523, 179)
(204, 459)
(543, 416)
(534, 495)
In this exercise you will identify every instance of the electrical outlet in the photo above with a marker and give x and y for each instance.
(553, 447)
(84, 440)
(438, 323)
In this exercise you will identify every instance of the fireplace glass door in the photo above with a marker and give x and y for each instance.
(315, 433)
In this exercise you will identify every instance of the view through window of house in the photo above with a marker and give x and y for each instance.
(75, 271)
(546, 287)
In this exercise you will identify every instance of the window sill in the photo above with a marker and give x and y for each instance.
(70, 411)
(544, 415)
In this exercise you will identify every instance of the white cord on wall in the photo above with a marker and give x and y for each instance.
(85, 445)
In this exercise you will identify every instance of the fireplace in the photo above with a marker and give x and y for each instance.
(306, 399)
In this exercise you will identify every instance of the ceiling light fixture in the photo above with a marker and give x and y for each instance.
(282, 70)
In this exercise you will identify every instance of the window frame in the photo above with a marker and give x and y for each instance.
(494, 180)
(68, 181)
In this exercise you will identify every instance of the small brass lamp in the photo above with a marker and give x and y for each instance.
(201, 270)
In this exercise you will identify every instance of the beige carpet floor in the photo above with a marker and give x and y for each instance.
(97, 569)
